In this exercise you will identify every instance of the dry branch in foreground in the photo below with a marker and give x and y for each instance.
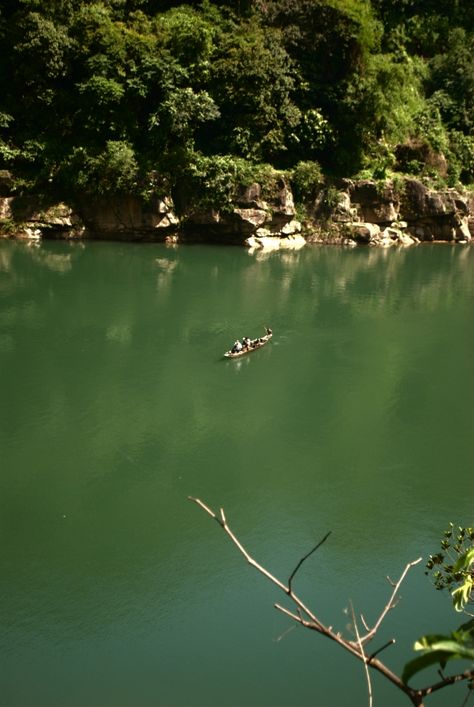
(303, 615)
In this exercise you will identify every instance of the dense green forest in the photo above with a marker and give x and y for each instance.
(150, 96)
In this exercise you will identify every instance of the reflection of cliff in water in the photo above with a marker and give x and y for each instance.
(432, 275)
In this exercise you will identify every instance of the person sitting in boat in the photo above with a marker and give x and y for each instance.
(246, 342)
(237, 347)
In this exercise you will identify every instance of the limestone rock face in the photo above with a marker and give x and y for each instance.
(426, 214)
(5, 207)
(248, 219)
(249, 215)
(206, 218)
(399, 212)
(128, 217)
(440, 215)
(31, 220)
(281, 205)
(373, 203)
(344, 211)
(250, 197)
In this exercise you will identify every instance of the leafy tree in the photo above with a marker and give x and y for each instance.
(306, 179)
(191, 36)
(343, 83)
(381, 107)
(452, 81)
(461, 157)
(113, 171)
(211, 182)
(251, 80)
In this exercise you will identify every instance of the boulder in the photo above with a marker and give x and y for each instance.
(395, 236)
(291, 228)
(247, 219)
(294, 242)
(363, 232)
(267, 243)
(263, 242)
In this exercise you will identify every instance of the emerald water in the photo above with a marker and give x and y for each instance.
(116, 404)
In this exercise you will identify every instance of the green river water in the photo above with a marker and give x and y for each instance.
(116, 404)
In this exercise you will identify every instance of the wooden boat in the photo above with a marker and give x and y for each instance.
(253, 346)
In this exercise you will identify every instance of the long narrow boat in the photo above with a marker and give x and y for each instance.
(253, 346)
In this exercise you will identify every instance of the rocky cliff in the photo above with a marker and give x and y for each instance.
(351, 212)
(402, 212)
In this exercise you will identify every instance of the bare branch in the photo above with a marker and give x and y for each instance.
(306, 557)
(289, 613)
(382, 648)
(364, 624)
(364, 657)
(224, 525)
(313, 623)
(450, 680)
(390, 604)
(206, 508)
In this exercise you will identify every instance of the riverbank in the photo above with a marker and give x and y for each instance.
(400, 212)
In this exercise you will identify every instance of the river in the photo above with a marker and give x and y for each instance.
(116, 404)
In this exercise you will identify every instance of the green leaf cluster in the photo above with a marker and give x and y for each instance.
(440, 649)
(452, 568)
(98, 94)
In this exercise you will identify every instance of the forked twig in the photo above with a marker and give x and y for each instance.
(390, 604)
(382, 648)
(304, 616)
(365, 660)
(306, 557)
(223, 523)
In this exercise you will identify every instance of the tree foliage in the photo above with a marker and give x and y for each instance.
(452, 568)
(341, 83)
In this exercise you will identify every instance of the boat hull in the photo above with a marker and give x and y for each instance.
(254, 346)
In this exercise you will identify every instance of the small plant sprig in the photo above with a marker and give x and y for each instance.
(453, 567)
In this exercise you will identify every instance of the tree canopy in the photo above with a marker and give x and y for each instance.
(100, 94)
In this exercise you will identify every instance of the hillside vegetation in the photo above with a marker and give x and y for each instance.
(150, 97)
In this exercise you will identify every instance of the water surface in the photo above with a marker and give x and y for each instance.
(116, 405)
